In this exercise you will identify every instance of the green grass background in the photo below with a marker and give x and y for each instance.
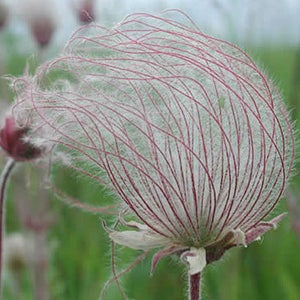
(80, 256)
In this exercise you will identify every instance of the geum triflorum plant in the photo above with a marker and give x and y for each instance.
(185, 128)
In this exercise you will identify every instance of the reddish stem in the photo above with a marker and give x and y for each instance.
(195, 287)
(3, 184)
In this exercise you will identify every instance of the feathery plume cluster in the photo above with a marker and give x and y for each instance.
(185, 128)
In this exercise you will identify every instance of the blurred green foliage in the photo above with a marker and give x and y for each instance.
(80, 251)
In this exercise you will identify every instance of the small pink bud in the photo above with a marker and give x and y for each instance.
(12, 141)
(41, 17)
(3, 15)
(42, 30)
(86, 11)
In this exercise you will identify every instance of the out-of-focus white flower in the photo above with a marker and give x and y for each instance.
(18, 251)
(185, 128)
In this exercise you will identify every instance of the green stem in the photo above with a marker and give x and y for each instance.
(195, 287)
(3, 184)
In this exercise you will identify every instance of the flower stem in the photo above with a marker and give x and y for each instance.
(195, 286)
(3, 183)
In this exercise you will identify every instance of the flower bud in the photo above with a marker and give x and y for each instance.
(42, 30)
(13, 141)
(86, 11)
(3, 15)
(41, 17)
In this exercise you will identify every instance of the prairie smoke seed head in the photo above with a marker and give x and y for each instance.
(185, 128)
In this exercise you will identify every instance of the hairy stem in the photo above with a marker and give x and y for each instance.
(195, 286)
(3, 184)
